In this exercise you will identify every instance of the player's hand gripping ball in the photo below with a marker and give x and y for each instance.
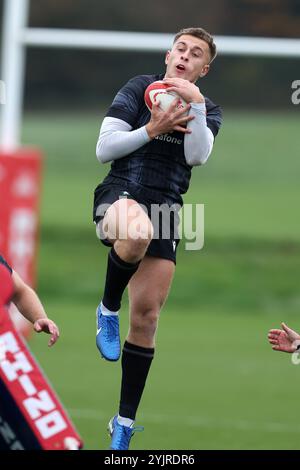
(157, 91)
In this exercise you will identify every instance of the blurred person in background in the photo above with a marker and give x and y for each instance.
(14, 289)
(152, 156)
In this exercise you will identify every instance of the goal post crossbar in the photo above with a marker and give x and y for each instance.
(154, 42)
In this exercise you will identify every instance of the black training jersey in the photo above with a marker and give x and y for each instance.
(2, 261)
(160, 164)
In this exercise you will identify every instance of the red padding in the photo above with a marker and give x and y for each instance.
(6, 285)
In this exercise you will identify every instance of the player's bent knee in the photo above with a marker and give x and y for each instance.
(139, 241)
(105, 234)
(125, 220)
(140, 229)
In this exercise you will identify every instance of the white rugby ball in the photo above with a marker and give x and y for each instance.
(157, 91)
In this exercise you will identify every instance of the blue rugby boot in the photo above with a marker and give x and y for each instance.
(108, 336)
(121, 435)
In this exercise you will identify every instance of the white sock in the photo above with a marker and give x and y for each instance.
(105, 311)
(125, 421)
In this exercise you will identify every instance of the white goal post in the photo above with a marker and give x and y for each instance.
(17, 37)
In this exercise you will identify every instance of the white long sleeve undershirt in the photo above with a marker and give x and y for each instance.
(199, 144)
(117, 139)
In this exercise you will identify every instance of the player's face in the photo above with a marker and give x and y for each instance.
(188, 59)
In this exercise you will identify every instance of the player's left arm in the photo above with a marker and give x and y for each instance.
(30, 306)
(198, 143)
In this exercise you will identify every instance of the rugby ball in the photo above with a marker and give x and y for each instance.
(157, 91)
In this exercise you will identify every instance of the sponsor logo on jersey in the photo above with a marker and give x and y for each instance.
(168, 138)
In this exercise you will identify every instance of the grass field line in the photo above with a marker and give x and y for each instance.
(192, 421)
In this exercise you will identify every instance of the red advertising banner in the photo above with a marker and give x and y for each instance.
(20, 187)
(31, 415)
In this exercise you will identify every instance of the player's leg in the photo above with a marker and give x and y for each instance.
(148, 290)
(128, 228)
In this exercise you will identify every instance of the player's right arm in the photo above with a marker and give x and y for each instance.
(117, 139)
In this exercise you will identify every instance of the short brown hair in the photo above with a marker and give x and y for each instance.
(201, 34)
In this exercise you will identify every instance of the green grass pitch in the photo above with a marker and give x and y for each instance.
(215, 382)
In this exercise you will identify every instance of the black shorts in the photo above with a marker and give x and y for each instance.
(166, 239)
